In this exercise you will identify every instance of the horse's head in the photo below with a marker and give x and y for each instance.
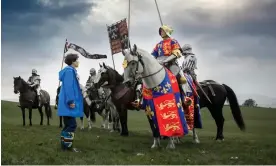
(18, 83)
(133, 63)
(107, 77)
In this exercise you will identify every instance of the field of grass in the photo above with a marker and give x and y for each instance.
(40, 144)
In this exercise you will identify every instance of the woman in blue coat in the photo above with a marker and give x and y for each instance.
(70, 103)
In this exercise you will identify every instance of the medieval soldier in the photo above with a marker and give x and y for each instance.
(190, 61)
(167, 52)
(34, 82)
(91, 78)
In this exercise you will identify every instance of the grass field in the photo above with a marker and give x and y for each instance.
(40, 144)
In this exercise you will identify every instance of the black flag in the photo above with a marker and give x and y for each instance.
(85, 53)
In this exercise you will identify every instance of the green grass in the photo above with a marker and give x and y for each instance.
(40, 144)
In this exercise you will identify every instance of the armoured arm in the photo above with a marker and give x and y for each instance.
(29, 80)
(195, 60)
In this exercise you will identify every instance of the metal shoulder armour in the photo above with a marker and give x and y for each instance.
(37, 77)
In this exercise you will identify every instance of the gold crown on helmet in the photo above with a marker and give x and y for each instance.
(168, 30)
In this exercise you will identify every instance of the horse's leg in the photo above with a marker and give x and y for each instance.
(60, 122)
(47, 113)
(30, 116)
(219, 119)
(41, 115)
(220, 124)
(195, 137)
(123, 119)
(89, 122)
(171, 144)
(23, 115)
(155, 134)
(110, 120)
(82, 123)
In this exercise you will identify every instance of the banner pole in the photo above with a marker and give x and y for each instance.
(63, 59)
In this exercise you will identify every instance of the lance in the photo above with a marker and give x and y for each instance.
(202, 91)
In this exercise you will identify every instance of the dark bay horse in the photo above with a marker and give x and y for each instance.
(29, 99)
(121, 94)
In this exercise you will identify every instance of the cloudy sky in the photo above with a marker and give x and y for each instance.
(235, 41)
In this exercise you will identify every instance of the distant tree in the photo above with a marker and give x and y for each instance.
(250, 103)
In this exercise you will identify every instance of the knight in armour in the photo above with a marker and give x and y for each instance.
(91, 78)
(167, 51)
(34, 82)
(190, 61)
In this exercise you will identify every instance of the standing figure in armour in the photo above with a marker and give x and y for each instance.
(91, 78)
(34, 82)
(167, 51)
(190, 61)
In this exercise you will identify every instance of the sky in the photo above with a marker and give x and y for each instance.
(234, 41)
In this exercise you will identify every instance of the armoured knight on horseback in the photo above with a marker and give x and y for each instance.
(34, 82)
(190, 61)
(91, 78)
(167, 52)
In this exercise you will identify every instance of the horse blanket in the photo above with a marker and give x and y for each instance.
(163, 106)
(192, 111)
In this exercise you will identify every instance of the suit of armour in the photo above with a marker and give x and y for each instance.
(34, 81)
(189, 65)
(166, 49)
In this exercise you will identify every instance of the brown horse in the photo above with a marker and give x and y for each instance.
(121, 94)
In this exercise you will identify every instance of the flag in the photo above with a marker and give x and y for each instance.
(118, 36)
(82, 51)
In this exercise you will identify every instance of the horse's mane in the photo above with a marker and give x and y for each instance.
(118, 77)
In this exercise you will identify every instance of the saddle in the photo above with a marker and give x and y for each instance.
(208, 83)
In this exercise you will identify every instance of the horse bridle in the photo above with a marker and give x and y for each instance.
(143, 64)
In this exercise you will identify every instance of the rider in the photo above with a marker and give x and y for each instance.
(34, 82)
(167, 52)
(189, 65)
(91, 78)
(190, 61)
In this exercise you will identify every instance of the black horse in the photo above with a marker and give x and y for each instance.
(122, 96)
(28, 99)
(218, 93)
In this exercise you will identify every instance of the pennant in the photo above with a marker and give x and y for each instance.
(83, 52)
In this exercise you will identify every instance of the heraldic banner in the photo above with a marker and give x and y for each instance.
(163, 106)
(192, 112)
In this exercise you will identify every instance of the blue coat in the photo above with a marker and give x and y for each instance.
(70, 92)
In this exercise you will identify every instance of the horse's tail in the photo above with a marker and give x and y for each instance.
(235, 108)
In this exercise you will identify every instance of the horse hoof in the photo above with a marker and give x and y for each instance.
(196, 141)
(111, 131)
(219, 140)
(124, 134)
(170, 147)
(30, 124)
(60, 126)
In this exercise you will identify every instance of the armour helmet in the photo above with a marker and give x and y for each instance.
(168, 30)
(187, 49)
(92, 71)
